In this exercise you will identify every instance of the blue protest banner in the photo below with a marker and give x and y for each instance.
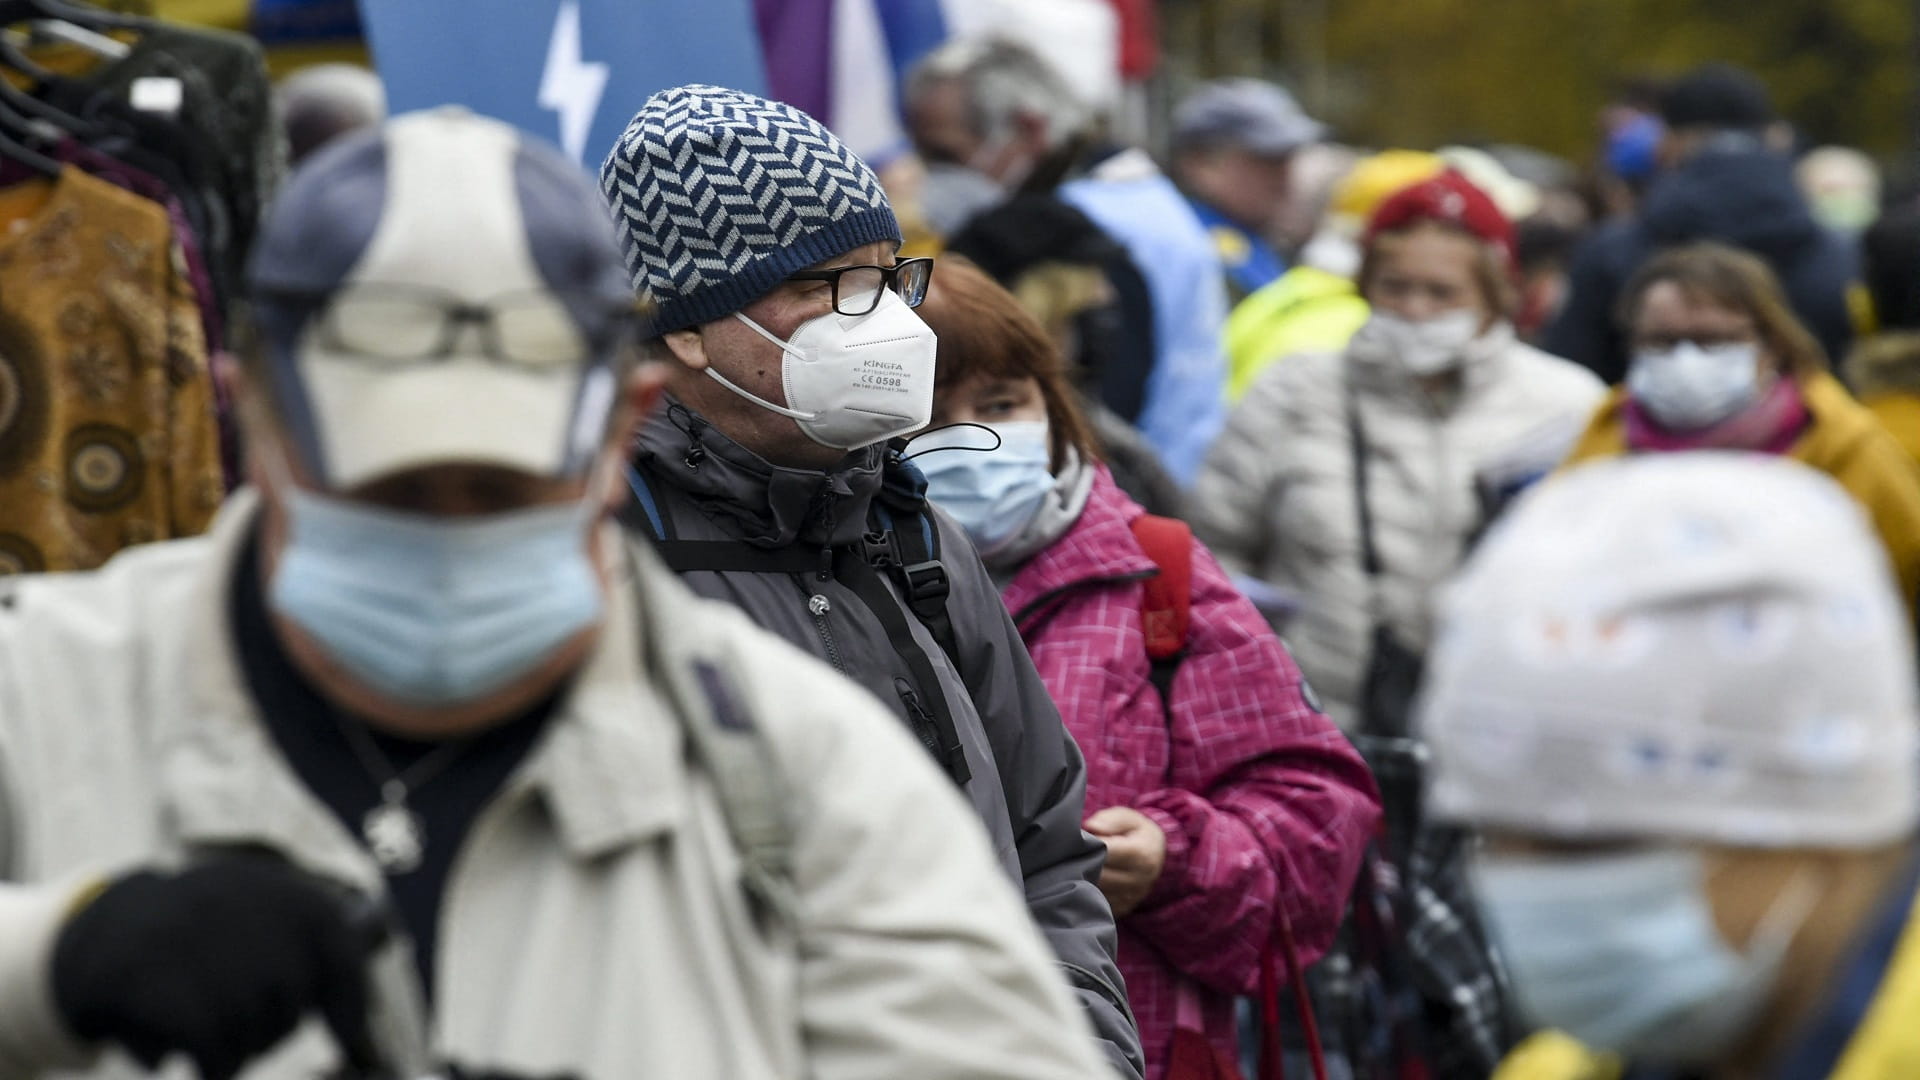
(572, 71)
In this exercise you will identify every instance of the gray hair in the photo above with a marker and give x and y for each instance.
(319, 104)
(1002, 79)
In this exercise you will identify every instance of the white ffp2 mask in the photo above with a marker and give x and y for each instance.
(853, 380)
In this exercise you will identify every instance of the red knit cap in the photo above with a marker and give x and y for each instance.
(1446, 197)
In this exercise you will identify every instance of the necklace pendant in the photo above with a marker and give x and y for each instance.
(395, 835)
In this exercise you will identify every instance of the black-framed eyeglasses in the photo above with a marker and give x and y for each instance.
(536, 329)
(856, 289)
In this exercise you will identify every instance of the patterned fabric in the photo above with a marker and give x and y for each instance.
(718, 194)
(1413, 976)
(107, 433)
(198, 271)
(1261, 800)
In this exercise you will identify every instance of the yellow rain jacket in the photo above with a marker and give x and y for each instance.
(1307, 310)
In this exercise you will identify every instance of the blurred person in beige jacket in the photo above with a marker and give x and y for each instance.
(404, 764)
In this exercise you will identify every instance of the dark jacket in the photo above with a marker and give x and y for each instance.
(1028, 779)
(1746, 198)
(1134, 464)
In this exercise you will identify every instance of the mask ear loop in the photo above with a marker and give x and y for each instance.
(997, 440)
(276, 460)
(1774, 934)
(785, 347)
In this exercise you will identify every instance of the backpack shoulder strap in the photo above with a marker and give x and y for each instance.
(1166, 605)
(644, 513)
(724, 741)
(646, 516)
(913, 542)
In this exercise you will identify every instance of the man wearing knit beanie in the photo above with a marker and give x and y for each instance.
(768, 248)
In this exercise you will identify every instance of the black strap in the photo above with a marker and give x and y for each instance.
(1161, 672)
(738, 556)
(1357, 442)
(909, 548)
(872, 591)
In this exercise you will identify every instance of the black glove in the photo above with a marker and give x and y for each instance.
(219, 962)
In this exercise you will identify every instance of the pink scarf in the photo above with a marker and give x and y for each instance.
(1769, 425)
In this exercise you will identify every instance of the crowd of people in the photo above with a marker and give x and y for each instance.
(1030, 610)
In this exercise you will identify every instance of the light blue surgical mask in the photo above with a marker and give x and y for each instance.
(991, 493)
(432, 611)
(1622, 952)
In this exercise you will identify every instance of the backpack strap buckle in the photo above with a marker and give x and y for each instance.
(926, 584)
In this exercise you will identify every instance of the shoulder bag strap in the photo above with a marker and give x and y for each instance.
(1357, 445)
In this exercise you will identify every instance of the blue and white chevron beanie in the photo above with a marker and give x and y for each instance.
(718, 194)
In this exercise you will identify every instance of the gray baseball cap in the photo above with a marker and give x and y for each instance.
(1253, 114)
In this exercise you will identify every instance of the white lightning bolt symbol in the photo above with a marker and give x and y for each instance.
(569, 85)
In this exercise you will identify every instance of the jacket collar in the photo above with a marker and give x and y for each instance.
(764, 504)
(1099, 547)
(609, 767)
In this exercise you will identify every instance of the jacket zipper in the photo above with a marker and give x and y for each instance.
(918, 716)
(819, 607)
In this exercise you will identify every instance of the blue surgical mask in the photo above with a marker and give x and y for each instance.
(991, 493)
(433, 611)
(1622, 951)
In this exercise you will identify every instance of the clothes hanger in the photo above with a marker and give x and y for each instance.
(70, 24)
(20, 102)
(15, 43)
(24, 104)
(83, 15)
(18, 150)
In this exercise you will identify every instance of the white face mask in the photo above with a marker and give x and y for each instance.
(1687, 388)
(853, 380)
(1424, 348)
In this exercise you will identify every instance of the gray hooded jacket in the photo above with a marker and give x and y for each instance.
(1028, 781)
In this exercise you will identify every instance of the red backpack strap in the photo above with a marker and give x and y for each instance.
(1167, 604)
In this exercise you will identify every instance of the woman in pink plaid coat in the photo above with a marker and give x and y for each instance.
(1223, 806)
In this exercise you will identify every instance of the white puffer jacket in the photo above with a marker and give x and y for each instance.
(1276, 499)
